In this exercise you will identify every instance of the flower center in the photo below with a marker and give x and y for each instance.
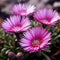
(36, 43)
(16, 28)
(46, 20)
(23, 12)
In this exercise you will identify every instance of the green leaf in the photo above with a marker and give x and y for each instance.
(47, 50)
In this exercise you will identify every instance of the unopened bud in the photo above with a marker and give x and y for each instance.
(11, 54)
(19, 55)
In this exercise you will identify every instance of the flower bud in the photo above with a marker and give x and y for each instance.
(11, 54)
(19, 55)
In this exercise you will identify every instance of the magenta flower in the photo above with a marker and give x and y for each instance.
(16, 24)
(46, 16)
(24, 10)
(35, 39)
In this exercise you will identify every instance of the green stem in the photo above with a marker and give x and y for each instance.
(47, 58)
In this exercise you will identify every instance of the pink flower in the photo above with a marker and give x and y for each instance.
(46, 16)
(23, 10)
(35, 39)
(16, 24)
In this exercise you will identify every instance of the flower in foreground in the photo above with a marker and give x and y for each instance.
(46, 16)
(22, 9)
(16, 24)
(35, 39)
